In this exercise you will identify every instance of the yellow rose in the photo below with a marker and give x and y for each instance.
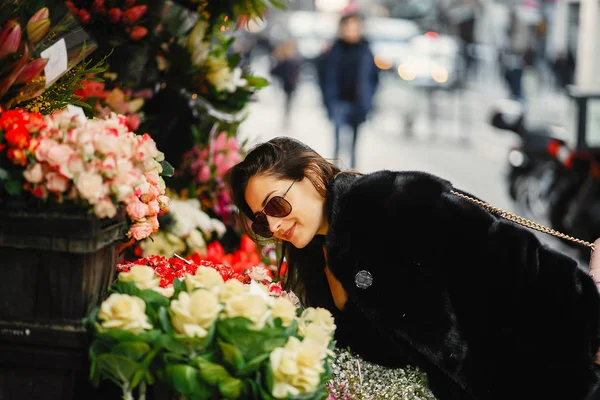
(250, 306)
(205, 278)
(143, 277)
(167, 292)
(121, 311)
(296, 367)
(230, 289)
(193, 314)
(319, 316)
(284, 309)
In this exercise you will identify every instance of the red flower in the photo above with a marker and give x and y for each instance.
(17, 137)
(11, 119)
(114, 15)
(247, 245)
(17, 156)
(215, 252)
(84, 16)
(138, 32)
(131, 16)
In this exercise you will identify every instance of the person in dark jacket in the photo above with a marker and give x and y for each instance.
(416, 272)
(349, 79)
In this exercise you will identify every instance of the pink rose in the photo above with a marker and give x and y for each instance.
(204, 174)
(140, 230)
(57, 183)
(152, 178)
(105, 208)
(41, 152)
(34, 173)
(153, 207)
(218, 159)
(109, 165)
(137, 210)
(90, 186)
(153, 221)
(221, 142)
(223, 168)
(59, 154)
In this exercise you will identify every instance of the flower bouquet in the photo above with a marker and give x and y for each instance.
(207, 335)
(98, 165)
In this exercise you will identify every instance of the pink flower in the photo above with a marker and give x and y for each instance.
(59, 154)
(153, 221)
(152, 178)
(232, 144)
(140, 230)
(221, 142)
(34, 173)
(105, 208)
(137, 210)
(204, 174)
(153, 207)
(57, 183)
(90, 186)
(41, 152)
(73, 167)
(133, 122)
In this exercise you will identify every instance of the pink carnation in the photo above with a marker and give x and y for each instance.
(137, 210)
(140, 230)
(57, 183)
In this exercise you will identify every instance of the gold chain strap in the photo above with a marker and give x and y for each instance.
(522, 221)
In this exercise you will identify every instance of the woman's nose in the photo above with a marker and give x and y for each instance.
(274, 223)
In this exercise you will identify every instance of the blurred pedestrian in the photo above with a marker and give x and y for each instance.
(350, 80)
(517, 54)
(287, 71)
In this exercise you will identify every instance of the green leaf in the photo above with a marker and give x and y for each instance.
(210, 372)
(257, 82)
(186, 380)
(153, 298)
(117, 368)
(13, 187)
(231, 355)
(231, 388)
(172, 345)
(126, 288)
(167, 169)
(133, 350)
(178, 287)
(165, 320)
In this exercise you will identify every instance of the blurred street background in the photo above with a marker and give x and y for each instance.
(444, 71)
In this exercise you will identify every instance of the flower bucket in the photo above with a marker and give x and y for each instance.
(56, 265)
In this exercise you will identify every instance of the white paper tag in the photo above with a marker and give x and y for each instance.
(57, 61)
(78, 111)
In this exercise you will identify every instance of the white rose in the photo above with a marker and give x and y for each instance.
(250, 306)
(316, 334)
(296, 367)
(205, 278)
(218, 227)
(121, 311)
(193, 314)
(284, 309)
(167, 292)
(319, 316)
(142, 275)
(259, 274)
(230, 289)
(195, 241)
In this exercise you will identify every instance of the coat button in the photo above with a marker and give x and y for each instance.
(363, 279)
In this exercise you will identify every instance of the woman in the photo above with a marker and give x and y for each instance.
(416, 274)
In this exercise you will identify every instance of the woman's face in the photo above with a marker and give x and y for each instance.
(307, 218)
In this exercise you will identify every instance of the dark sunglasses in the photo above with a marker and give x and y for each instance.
(277, 207)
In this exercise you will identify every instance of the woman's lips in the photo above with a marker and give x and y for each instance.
(290, 232)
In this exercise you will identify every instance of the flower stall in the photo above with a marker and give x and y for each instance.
(124, 272)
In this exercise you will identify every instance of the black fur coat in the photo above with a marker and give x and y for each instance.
(474, 300)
